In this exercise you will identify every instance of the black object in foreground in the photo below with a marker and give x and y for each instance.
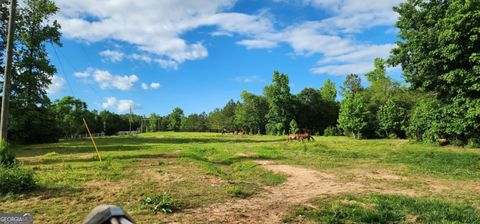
(108, 214)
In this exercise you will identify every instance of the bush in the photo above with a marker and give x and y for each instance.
(330, 131)
(163, 203)
(16, 180)
(7, 157)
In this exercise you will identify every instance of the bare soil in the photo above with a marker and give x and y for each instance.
(272, 204)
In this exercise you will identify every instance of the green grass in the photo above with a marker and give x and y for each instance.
(200, 169)
(377, 208)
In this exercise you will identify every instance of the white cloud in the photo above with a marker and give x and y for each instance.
(121, 106)
(109, 102)
(141, 57)
(253, 44)
(359, 61)
(154, 85)
(156, 29)
(106, 80)
(155, 26)
(112, 55)
(355, 16)
(57, 85)
(81, 74)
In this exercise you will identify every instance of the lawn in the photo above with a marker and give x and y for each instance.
(395, 180)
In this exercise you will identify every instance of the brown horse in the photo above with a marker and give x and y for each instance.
(306, 135)
(300, 136)
(292, 137)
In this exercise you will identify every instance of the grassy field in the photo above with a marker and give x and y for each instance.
(396, 181)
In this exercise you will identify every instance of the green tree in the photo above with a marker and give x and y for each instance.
(175, 119)
(438, 52)
(196, 122)
(328, 91)
(280, 103)
(31, 117)
(293, 127)
(69, 116)
(391, 118)
(309, 113)
(251, 114)
(353, 115)
(424, 122)
(152, 123)
(224, 118)
(351, 85)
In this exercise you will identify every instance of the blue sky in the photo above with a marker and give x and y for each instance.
(156, 55)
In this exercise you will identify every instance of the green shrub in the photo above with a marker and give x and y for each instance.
(164, 203)
(7, 157)
(330, 131)
(16, 180)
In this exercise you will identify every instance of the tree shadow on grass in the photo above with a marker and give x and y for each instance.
(126, 144)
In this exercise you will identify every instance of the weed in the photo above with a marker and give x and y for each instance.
(16, 180)
(163, 202)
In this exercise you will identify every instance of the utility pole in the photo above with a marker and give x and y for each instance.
(8, 73)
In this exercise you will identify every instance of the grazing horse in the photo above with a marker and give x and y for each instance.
(292, 137)
(300, 136)
(307, 135)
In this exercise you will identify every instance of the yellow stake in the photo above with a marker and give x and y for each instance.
(93, 141)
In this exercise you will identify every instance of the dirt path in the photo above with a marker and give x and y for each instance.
(271, 205)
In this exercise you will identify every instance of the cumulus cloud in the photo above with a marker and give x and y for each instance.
(144, 86)
(57, 85)
(156, 29)
(141, 57)
(253, 44)
(121, 106)
(106, 80)
(112, 55)
(359, 60)
(155, 26)
(153, 85)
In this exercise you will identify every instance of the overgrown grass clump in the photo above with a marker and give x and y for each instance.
(163, 202)
(13, 178)
(16, 180)
(377, 208)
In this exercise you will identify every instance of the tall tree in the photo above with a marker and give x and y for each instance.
(391, 117)
(353, 115)
(153, 123)
(438, 52)
(328, 91)
(251, 114)
(280, 104)
(175, 119)
(352, 84)
(69, 114)
(310, 110)
(30, 115)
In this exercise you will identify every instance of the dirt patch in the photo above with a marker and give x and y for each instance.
(273, 203)
(382, 175)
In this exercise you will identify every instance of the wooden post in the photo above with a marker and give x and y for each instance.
(8, 73)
